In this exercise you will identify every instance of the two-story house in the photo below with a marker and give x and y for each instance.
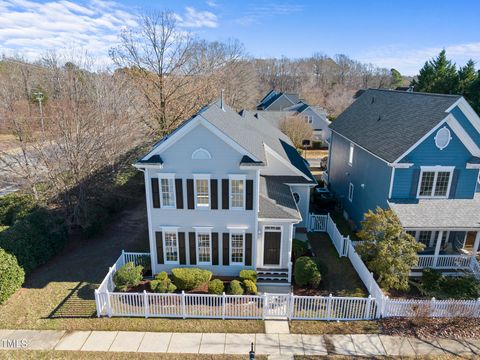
(276, 106)
(417, 154)
(225, 192)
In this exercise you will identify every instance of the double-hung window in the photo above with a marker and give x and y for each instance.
(167, 191)
(237, 247)
(204, 247)
(350, 192)
(435, 182)
(237, 192)
(202, 191)
(309, 119)
(170, 244)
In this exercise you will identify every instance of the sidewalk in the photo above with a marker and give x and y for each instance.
(277, 345)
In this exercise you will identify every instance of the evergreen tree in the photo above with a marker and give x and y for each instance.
(467, 75)
(438, 75)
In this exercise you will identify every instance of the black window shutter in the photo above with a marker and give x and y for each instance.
(248, 249)
(190, 194)
(249, 195)
(214, 248)
(453, 186)
(192, 247)
(155, 193)
(226, 253)
(159, 241)
(225, 194)
(415, 180)
(179, 193)
(181, 248)
(214, 196)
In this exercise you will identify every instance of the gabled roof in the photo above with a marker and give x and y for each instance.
(267, 101)
(250, 134)
(388, 123)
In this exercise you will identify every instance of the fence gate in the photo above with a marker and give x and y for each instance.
(276, 305)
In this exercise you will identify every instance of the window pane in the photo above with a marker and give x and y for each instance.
(237, 248)
(203, 248)
(202, 192)
(424, 237)
(236, 193)
(167, 190)
(426, 186)
(171, 253)
(443, 178)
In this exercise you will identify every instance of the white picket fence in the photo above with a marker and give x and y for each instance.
(326, 224)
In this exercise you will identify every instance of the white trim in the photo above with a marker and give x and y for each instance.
(169, 177)
(392, 179)
(351, 189)
(449, 137)
(473, 166)
(202, 228)
(293, 221)
(436, 170)
(148, 166)
(203, 231)
(236, 232)
(151, 233)
(285, 162)
(174, 230)
(400, 165)
(468, 111)
(281, 244)
(236, 177)
(202, 177)
(237, 227)
(201, 154)
(351, 152)
(463, 136)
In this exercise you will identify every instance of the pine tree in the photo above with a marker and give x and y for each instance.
(438, 75)
(467, 75)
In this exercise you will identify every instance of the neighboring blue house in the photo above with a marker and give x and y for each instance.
(416, 153)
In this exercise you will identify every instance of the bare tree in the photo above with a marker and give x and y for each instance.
(297, 129)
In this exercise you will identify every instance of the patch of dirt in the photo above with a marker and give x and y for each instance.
(424, 328)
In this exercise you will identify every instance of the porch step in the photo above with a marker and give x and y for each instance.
(272, 276)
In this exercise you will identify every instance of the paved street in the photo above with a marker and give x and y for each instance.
(277, 345)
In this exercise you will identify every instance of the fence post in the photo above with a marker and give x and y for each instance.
(291, 307)
(109, 307)
(146, 303)
(346, 246)
(372, 279)
(110, 279)
(290, 272)
(367, 308)
(123, 257)
(432, 309)
(184, 314)
(383, 306)
(223, 306)
(97, 302)
(265, 300)
(477, 308)
(329, 307)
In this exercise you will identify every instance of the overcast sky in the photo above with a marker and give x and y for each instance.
(401, 34)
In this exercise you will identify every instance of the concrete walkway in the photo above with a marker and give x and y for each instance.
(278, 346)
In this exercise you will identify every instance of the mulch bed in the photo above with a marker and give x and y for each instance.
(454, 328)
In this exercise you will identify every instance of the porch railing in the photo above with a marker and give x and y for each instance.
(459, 262)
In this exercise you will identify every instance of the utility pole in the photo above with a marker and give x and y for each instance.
(39, 97)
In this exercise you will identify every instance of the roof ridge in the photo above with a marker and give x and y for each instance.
(415, 92)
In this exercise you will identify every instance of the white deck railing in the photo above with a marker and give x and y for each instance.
(461, 262)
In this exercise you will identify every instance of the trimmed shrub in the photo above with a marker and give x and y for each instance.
(235, 288)
(306, 272)
(12, 275)
(435, 284)
(14, 207)
(248, 275)
(127, 276)
(299, 248)
(162, 284)
(216, 287)
(250, 287)
(431, 280)
(36, 238)
(190, 278)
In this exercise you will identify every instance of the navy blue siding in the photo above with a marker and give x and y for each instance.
(366, 169)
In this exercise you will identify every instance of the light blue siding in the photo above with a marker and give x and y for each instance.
(427, 154)
(366, 169)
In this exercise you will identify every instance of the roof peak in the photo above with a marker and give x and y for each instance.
(414, 92)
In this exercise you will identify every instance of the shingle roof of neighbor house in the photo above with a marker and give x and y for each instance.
(438, 213)
(293, 97)
(388, 122)
(276, 199)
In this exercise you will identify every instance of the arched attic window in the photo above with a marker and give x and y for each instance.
(201, 154)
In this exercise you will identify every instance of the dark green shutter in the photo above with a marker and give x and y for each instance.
(190, 194)
(192, 247)
(226, 245)
(181, 248)
(214, 248)
(453, 185)
(225, 194)
(155, 193)
(248, 249)
(159, 241)
(179, 193)
(214, 195)
(249, 195)
(415, 180)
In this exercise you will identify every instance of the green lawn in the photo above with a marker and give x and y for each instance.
(60, 295)
(341, 278)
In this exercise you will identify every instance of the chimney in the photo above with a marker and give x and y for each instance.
(221, 100)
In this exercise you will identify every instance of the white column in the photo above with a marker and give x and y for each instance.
(476, 244)
(437, 248)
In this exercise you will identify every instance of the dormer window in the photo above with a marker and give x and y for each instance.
(435, 182)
